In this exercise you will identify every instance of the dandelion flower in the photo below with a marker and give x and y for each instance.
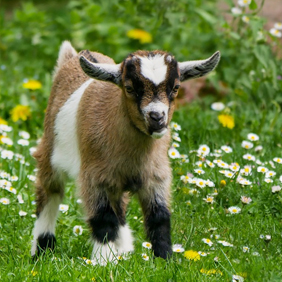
(141, 35)
(275, 189)
(145, 257)
(20, 112)
(234, 210)
(217, 106)
(177, 248)
(207, 241)
(253, 137)
(246, 200)
(4, 201)
(63, 208)
(147, 245)
(173, 153)
(222, 183)
(247, 145)
(211, 271)
(175, 126)
(226, 121)
(32, 85)
(192, 255)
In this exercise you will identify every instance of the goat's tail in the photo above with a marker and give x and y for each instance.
(66, 52)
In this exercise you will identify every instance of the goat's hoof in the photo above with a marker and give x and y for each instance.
(45, 242)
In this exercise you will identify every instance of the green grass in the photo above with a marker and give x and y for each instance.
(247, 80)
(190, 222)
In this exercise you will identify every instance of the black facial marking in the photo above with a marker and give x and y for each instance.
(45, 242)
(133, 184)
(172, 75)
(105, 224)
(131, 74)
(158, 230)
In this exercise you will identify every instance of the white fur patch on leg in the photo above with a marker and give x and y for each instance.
(103, 253)
(124, 242)
(46, 221)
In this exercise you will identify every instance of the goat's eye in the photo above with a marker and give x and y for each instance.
(176, 87)
(129, 89)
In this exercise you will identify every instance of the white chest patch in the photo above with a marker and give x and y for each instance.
(66, 154)
(154, 68)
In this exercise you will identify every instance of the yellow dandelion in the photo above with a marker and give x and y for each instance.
(2, 121)
(33, 272)
(20, 112)
(32, 85)
(222, 183)
(192, 255)
(226, 121)
(141, 35)
(210, 271)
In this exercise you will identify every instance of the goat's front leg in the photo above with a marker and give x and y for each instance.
(157, 220)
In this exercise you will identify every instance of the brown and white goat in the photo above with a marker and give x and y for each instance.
(107, 126)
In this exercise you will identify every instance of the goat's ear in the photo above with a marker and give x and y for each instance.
(193, 69)
(105, 72)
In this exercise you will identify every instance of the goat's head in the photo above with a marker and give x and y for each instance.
(150, 83)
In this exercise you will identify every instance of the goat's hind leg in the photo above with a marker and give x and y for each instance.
(49, 193)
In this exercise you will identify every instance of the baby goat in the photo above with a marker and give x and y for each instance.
(107, 126)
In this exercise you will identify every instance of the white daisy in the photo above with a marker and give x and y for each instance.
(249, 157)
(245, 200)
(275, 189)
(201, 183)
(247, 144)
(253, 137)
(217, 106)
(147, 245)
(203, 150)
(4, 201)
(173, 153)
(145, 257)
(275, 32)
(23, 142)
(278, 160)
(22, 213)
(199, 171)
(24, 134)
(234, 210)
(175, 126)
(177, 248)
(227, 149)
(236, 11)
(207, 241)
(270, 173)
(244, 3)
(77, 230)
(63, 208)
(209, 199)
(262, 169)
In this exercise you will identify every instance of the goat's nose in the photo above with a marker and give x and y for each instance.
(157, 116)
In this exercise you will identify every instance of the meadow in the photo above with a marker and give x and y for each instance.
(226, 148)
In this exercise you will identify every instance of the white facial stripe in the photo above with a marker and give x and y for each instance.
(158, 107)
(154, 68)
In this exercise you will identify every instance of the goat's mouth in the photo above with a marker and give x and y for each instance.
(159, 132)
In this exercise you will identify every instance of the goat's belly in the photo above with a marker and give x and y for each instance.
(66, 156)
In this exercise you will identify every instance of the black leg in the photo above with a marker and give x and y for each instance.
(157, 224)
